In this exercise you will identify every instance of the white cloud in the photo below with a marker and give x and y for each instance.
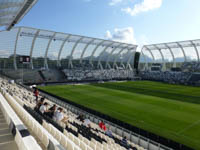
(145, 6)
(125, 35)
(114, 2)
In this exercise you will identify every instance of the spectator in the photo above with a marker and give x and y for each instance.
(80, 117)
(102, 125)
(39, 103)
(58, 116)
(87, 123)
(51, 112)
(109, 133)
(43, 108)
(36, 94)
(124, 142)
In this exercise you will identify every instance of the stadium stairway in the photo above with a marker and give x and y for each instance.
(6, 138)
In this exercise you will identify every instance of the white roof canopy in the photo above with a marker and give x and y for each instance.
(12, 11)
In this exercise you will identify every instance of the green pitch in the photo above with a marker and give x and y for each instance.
(171, 111)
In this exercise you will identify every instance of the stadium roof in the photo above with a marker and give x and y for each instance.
(12, 11)
(50, 45)
(182, 51)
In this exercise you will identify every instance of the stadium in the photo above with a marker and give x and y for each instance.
(62, 91)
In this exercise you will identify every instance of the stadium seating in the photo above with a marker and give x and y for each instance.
(74, 136)
(23, 138)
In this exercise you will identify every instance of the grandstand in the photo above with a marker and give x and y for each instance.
(175, 62)
(58, 57)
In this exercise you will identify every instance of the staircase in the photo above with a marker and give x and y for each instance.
(6, 138)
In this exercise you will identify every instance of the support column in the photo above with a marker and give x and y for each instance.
(85, 48)
(115, 60)
(32, 47)
(46, 53)
(61, 49)
(108, 58)
(93, 52)
(99, 60)
(182, 51)
(145, 59)
(73, 49)
(198, 59)
(163, 59)
(15, 49)
(174, 60)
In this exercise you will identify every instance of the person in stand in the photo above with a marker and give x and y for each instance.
(87, 122)
(102, 125)
(59, 116)
(39, 103)
(51, 111)
(36, 94)
(80, 117)
(43, 108)
(109, 133)
(124, 142)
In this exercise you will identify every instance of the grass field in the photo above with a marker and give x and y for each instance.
(171, 111)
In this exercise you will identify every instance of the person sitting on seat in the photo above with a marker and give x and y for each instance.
(87, 123)
(36, 94)
(124, 142)
(109, 133)
(43, 108)
(80, 117)
(39, 103)
(58, 116)
(102, 125)
(51, 111)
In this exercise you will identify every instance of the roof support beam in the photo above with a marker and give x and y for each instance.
(85, 48)
(108, 58)
(73, 49)
(163, 58)
(32, 47)
(99, 60)
(61, 49)
(198, 59)
(128, 65)
(115, 60)
(47, 49)
(174, 60)
(145, 59)
(93, 52)
(15, 49)
(185, 58)
(150, 53)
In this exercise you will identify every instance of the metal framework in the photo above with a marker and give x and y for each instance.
(56, 47)
(189, 49)
(12, 11)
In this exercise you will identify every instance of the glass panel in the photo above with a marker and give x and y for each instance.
(40, 48)
(7, 44)
(167, 55)
(157, 55)
(178, 54)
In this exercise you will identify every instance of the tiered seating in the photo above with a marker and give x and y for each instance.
(22, 136)
(80, 74)
(73, 136)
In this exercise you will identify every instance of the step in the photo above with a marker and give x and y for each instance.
(4, 138)
(8, 146)
(3, 125)
(4, 131)
(2, 120)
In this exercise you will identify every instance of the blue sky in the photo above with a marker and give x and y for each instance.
(132, 21)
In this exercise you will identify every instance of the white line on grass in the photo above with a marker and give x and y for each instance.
(190, 126)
